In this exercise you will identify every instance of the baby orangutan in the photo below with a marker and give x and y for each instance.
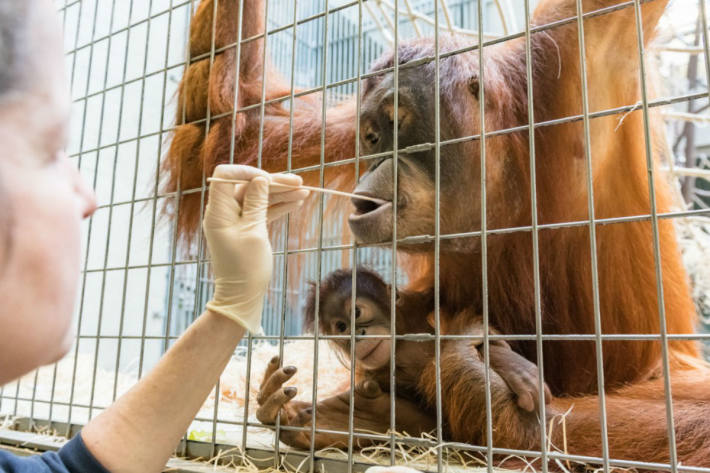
(372, 359)
(373, 318)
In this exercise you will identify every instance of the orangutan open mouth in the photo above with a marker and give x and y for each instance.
(364, 207)
(371, 222)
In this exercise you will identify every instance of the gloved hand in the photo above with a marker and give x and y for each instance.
(238, 241)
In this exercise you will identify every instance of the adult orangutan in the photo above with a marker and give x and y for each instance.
(628, 299)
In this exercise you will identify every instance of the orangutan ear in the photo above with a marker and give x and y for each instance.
(474, 86)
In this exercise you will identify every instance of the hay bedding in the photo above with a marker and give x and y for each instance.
(333, 377)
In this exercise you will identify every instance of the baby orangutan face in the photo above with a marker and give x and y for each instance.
(371, 318)
(333, 301)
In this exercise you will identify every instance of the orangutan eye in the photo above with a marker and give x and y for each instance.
(357, 312)
(341, 327)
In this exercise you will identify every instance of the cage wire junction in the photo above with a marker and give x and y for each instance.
(140, 289)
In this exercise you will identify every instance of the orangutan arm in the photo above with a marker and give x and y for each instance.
(208, 133)
(371, 412)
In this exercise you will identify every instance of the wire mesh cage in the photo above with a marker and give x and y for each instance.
(160, 97)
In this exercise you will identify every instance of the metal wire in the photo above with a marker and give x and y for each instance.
(437, 243)
(656, 244)
(484, 245)
(91, 220)
(592, 239)
(535, 235)
(327, 87)
(395, 200)
(319, 253)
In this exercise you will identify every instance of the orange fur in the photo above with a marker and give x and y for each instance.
(214, 83)
(628, 301)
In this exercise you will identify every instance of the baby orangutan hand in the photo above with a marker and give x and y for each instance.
(371, 412)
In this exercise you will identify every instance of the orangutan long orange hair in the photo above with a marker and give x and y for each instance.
(628, 299)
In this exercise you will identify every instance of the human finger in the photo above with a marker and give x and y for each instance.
(293, 180)
(239, 172)
(290, 196)
(278, 211)
(256, 200)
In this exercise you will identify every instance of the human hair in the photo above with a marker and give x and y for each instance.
(14, 72)
(14, 43)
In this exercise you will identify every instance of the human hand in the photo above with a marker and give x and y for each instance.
(238, 240)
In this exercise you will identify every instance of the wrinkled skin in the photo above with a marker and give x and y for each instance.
(372, 412)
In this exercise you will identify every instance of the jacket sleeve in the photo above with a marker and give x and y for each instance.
(73, 457)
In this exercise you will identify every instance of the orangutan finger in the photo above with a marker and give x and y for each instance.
(525, 389)
(526, 402)
(275, 382)
(369, 389)
(304, 416)
(271, 368)
(269, 410)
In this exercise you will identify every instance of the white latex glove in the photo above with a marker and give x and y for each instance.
(238, 241)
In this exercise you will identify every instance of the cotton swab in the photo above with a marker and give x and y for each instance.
(310, 188)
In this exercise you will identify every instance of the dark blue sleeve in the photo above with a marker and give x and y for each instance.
(73, 457)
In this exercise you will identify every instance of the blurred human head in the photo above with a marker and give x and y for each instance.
(42, 196)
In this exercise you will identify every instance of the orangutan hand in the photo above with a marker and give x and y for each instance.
(371, 412)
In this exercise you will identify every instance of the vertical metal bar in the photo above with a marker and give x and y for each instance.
(437, 244)
(259, 157)
(262, 106)
(319, 253)
(56, 365)
(32, 402)
(535, 233)
(656, 244)
(71, 84)
(358, 104)
(592, 242)
(706, 51)
(91, 219)
(395, 199)
(174, 239)
(201, 248)
(232, 144)
(111, 202)
(133, 198)
(484, 242)
(284, 286)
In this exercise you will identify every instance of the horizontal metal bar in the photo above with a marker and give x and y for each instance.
(419, 147)
(147, 19)
(427, 238)
(426, 337)
(10, 437)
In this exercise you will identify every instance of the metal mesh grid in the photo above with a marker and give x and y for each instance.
(139, 291)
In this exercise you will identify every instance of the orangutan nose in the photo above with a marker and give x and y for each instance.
(371, 136)
(402, 112)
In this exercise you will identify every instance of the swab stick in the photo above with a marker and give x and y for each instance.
(310, 188)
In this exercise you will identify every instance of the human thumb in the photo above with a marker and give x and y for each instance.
(256, 200)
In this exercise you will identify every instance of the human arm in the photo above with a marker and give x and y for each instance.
(139, 432)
